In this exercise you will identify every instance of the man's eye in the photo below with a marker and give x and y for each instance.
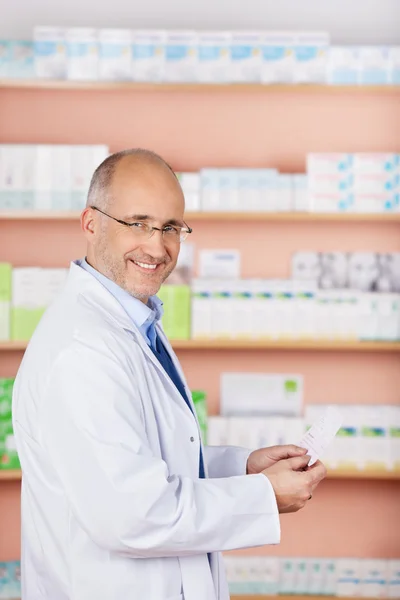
(138, 225)
(170, 229)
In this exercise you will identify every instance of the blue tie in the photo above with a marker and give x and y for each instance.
(165, 360)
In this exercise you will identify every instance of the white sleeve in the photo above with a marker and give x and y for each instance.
(226, 461)
(93, 430)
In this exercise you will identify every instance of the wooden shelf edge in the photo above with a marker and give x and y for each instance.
(50, 84)
(223, 216)
(10, 475)
(13, 475)
(235, 345)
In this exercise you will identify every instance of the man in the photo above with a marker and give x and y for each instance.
(119, 499)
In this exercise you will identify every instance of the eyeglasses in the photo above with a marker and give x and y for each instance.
(170, 233)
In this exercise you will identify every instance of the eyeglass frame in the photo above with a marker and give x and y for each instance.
(186, 227)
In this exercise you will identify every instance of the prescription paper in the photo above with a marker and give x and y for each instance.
(321, 434)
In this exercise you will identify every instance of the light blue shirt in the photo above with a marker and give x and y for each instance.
(144, 316)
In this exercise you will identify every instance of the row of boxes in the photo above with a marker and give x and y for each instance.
(10, 580)
(363, 271)
(47, 177)
(197, 56)
(369, 438)
(288, 309)
(361, 182)
(342, 577)
(25, 293)
(8, 452)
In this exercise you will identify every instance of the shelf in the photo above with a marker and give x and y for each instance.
(219, 216)
(235, 345)
(13, 346)
(339, 474)
(49, 84)
(364, 475)
(352, 346)
(10, 475)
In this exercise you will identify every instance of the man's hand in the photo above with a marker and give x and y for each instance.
(294, 486)
(261, 459)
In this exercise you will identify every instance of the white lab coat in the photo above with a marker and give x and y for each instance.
(112, 506)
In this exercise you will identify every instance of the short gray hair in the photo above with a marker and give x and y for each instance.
(100, 184)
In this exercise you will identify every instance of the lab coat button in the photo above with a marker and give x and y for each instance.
(192, 439)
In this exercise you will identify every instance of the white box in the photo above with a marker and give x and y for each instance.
(217, 431)
(346, 451)
(242, 308)
(190, 184)
(394, 65)
(376, 183)
(379, 163)
(285, 193)
(310, 54)
(270, 189)
(26, 287)
(269, 571)
(374, 578)
(201, 308)
(330, 183)
(61, 178)
(22, 59)
(287, 578)
(50, 52)
(306, 266)
(363, 271)
(222, 264)
(375, 440)
(394, 578)
(261, 394)
(329, 577)
(374, 65)
(222, 309)
(241, 432)
(210, 192)
(368, 316)
(213, 56)
(248, 197)
(52, 283)
(334, 270)
(389, 272)
(300, 193)
(301, 578)
(115, 54)
(304, 293)
(181, 56)
(331, 202)
(348, 577)
(43, 177)
(5, 58)
(394, 438)
(148, 55)
(327, 164)
(277, 56)
(388, 317)
(343, 66)
(84, 161)
(246, 56)
(262, 309)
(82, 54)
(228, 184)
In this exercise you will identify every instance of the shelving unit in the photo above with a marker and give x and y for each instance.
(289, 217)
(370, 475)
(51, 84)
(250, 125)
(259, 345)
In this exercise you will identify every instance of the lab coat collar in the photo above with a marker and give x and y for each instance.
(81, 282)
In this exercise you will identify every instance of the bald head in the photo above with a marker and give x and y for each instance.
(131, 161)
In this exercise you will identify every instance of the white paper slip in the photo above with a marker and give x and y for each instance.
(321, 434)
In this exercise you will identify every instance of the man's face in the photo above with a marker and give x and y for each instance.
(148, 193)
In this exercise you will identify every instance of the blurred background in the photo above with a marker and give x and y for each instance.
(282, 121)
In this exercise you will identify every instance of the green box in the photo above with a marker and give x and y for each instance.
(200, 403)
(5, 282)
(177, 303)
(8, 454)
(24, 322)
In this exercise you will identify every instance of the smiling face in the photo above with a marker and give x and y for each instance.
(142, 190)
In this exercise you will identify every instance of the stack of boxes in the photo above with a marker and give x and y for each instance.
(341, 577)
(290, 57)
(10, 580)
(266, 409)
(47, 177)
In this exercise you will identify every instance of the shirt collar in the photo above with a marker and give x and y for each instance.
(141, 314)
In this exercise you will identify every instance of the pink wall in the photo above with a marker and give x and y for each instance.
(192, 130)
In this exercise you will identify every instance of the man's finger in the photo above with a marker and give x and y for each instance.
(286, 451)
(316, 472)
(299, 462)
